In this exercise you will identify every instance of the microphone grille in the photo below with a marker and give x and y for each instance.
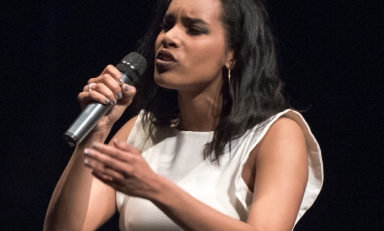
(136, 61)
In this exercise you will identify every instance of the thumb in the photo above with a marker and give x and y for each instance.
(128, 93)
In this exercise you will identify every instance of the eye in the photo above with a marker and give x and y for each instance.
(195, 30)
(165, 26)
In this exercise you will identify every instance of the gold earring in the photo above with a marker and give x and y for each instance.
(229, 75)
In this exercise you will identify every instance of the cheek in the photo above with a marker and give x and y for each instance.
(210, 53)
(157, 42)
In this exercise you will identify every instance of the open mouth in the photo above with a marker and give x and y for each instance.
(164, 61)
(165, 55)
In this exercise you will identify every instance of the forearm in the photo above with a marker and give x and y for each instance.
(69, 203)
(190, 213)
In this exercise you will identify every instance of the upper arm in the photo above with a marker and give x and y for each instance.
(102, 202)
(281, 176)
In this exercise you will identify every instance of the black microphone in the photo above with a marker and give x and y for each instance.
(131, 67)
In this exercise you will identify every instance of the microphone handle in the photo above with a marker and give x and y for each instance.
(88, 119)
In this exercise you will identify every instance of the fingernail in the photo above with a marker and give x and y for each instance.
(119, 95)
(126, 88)
(95, 146)
(87, 152)
(87, 162)
(114, 102)
(106, 101)
(121, 81)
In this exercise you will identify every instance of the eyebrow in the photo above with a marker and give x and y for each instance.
(168, 17)
(185, 19)
(193, 20)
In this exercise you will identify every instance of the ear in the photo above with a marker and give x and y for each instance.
(229, 61)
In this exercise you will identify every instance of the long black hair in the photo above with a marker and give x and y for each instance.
(254, 92)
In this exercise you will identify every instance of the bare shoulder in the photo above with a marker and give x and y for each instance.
(125, 130)
(286, 127)
(281, 171)
(284, 135)
(282, 147)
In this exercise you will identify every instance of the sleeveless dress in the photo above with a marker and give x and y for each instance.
(177, 155)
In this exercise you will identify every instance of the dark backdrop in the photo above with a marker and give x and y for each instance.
(331, 59)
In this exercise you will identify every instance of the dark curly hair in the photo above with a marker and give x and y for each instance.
(254, 93)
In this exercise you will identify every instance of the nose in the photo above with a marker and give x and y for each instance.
(171, 38)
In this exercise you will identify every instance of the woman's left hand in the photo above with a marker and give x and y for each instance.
(122, 167)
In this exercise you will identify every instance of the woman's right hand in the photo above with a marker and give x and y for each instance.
(108, 88)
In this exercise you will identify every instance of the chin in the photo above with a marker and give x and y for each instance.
(165, 80)
(161, 82)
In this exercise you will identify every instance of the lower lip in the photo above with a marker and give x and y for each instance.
(162, 65)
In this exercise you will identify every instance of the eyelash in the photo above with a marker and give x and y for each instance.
(196, 31)
(164, 26)
(191, 30)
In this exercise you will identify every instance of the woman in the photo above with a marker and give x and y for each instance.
(214, 148)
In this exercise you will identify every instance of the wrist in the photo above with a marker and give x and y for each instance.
(162, 193)
(100, 135)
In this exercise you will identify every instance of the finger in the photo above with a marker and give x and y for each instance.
(101, 177)
(106, 91)
(111, 182)
(128, 90)
(111, 71)
(112, 151)
(118, 187)
(113, 79)
(125, 147)
(115, 73)
(86, 98)
(108, 180)
(102, 171)
(111, 83)
(108, 162)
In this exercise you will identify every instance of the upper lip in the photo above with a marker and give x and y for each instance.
(165, 54)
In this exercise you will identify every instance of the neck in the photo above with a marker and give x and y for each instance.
(199, 112)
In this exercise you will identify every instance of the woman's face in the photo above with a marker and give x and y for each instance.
(191, 48)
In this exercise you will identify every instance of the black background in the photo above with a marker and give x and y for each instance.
(331, 59)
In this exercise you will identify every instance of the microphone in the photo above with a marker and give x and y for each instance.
(131, 67)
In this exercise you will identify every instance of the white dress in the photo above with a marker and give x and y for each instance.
(177, 155)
